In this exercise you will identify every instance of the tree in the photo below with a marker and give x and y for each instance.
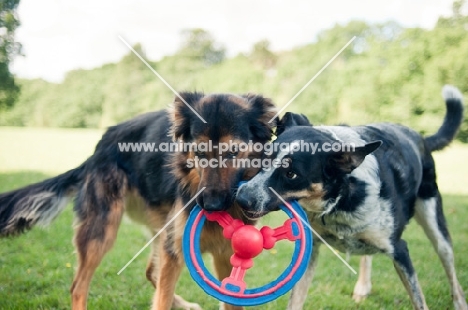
(262, 55)
(457, 8)
(199, 44)
(9, 90)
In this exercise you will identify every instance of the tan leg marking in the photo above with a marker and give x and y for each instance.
(363, 286)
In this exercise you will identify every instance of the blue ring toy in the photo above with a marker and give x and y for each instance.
(202, 276)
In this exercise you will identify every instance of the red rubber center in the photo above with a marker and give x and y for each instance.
(247, 241)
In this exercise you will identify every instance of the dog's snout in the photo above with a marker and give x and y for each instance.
(214, 206)
(244, 200)
(213, 202)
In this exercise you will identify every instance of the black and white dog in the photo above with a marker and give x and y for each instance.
(360, 200)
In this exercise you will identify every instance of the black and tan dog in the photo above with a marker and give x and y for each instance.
(361, 200)
(151, 187)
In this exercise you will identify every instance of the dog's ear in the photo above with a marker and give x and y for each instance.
(290, 120)
(181, 114)
(347, 161)
(262, 112)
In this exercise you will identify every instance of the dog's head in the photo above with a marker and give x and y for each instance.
(313, 177)
(231, 121)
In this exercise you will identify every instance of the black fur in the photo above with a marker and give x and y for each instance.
(291, 119)
(16, 201)
(449, 128)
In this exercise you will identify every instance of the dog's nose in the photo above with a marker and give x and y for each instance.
(213, 204)
(244, 201)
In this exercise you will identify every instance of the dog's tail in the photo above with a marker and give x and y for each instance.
(452, 121)
(38, 203)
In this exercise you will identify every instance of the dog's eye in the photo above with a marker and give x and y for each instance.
(291, 175)
(232, 154)
(200, 154)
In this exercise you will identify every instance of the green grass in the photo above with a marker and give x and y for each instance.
(36, 269)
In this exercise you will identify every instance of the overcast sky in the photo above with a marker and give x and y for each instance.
(61, 35)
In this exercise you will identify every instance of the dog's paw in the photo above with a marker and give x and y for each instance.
(459, 300)
(359, 298)
(189, 306)
(223, 306)
(361, 291)
(180, 303)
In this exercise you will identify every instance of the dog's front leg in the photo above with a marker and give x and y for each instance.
(170, 265)
(223, 269)
(364, 285)
(299, 291)
(404, 268)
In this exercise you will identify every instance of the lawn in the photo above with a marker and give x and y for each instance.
(36, 269)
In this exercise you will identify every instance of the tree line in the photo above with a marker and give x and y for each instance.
(389, 73)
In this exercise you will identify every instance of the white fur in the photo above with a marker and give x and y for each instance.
(451, 92)
(426, 216)
(330, 205)
(36, 202)
(372, 220)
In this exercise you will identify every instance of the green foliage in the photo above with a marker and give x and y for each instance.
(199, 45)
(389, 73)
(8, 49)
(262, 55)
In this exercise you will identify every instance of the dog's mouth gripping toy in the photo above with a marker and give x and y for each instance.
(247, 242)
